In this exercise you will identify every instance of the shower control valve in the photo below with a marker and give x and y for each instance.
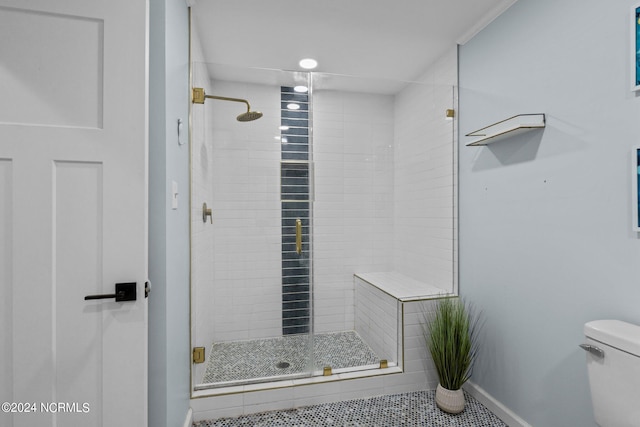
(206, 212)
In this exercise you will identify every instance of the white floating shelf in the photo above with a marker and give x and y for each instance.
(507, 128)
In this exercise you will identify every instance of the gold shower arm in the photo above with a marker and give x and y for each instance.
(198, 96)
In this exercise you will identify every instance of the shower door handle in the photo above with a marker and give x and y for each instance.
(298, 236)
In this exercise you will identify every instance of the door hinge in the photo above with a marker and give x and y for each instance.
(198, 354)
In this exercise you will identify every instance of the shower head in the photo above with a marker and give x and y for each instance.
(199, 96)
(249, 116)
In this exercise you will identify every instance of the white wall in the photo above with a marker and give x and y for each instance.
(425, 186)
(168, 228)
(545, 218)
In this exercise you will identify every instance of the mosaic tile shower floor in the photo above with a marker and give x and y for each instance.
(406, 409)
(243, 360)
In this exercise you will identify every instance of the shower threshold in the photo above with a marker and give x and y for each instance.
(283, 358)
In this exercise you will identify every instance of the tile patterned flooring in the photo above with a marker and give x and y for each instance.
(243, 360)
(406, 409)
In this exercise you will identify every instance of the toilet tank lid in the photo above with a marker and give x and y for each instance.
(615, 333)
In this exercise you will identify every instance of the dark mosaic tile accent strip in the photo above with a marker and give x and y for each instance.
(406, 409)
(243, 360)
(295, 190)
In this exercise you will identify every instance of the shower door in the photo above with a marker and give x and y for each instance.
(251, 264)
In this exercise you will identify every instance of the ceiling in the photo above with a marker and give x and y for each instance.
(394, 40)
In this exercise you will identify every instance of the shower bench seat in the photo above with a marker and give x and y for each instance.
(389, 313)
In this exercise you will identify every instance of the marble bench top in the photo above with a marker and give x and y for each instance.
(402, 287)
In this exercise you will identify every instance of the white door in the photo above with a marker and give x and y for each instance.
(73, 212)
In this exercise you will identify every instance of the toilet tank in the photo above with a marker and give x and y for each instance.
(614, 375)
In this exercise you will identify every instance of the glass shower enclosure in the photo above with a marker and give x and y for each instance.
(286, 208)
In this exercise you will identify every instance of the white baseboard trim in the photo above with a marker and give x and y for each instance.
(501, 411)
(188, 421)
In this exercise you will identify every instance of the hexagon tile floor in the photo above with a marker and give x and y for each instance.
(406, 409)
(243, 360)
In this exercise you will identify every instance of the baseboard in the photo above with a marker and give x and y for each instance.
(501, 411)
(188, 421)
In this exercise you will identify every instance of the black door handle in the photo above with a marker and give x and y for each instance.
(124, 292)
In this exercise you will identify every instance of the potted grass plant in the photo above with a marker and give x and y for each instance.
(451, 334)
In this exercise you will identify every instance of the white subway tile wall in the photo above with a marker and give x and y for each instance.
(236, 268)
(353, 213)
(377, 316)
(425, 181)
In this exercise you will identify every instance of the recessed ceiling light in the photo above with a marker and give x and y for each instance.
(301, 89)
(308, 63)
(284, 127)
(293, 106)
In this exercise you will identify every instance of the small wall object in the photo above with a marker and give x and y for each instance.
(635, 185)
(507, 128)
(635, 48)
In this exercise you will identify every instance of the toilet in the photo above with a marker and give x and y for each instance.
(613, 366)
